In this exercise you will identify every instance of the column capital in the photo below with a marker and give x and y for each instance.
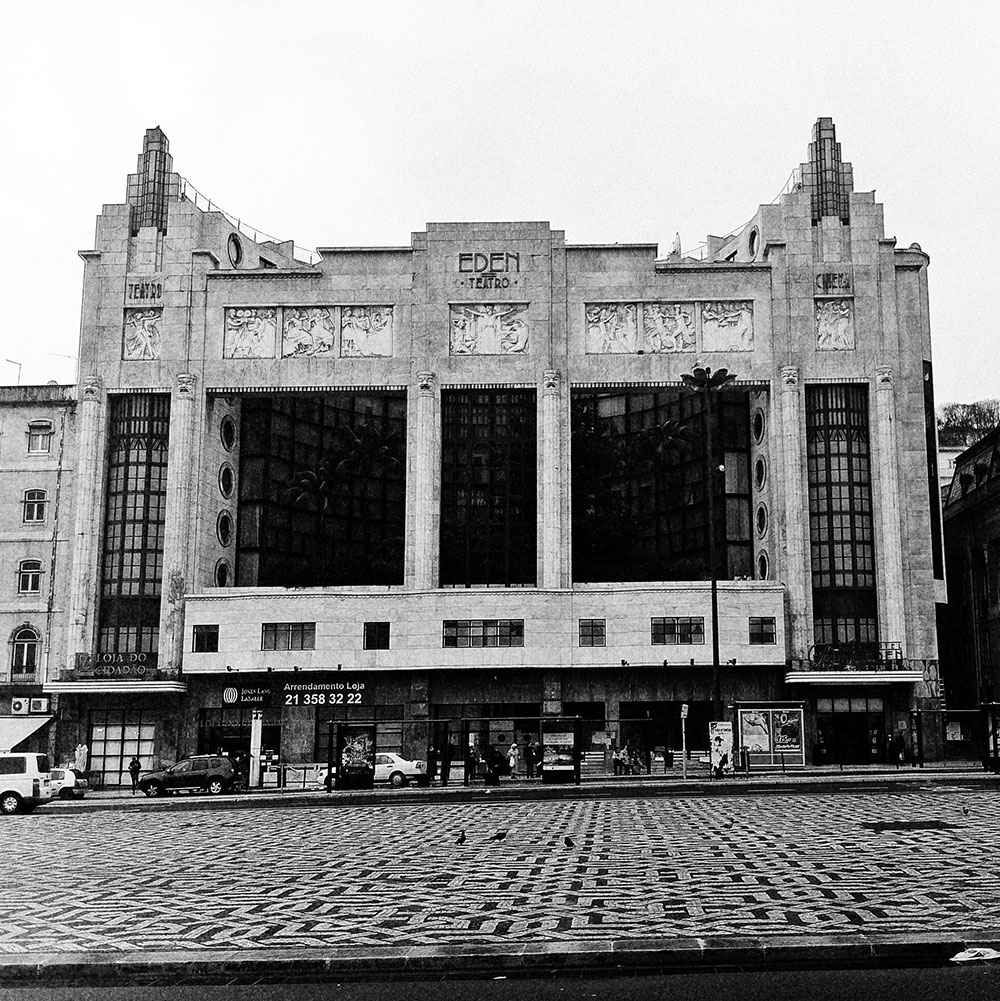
(186, 383)
(550, 381)
(883, 377)
(789, 376)
(425, 383)
(91, 388)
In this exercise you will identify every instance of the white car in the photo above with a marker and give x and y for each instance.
(391, 768)
(67, 783)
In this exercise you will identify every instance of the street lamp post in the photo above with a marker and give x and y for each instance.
(703, 380)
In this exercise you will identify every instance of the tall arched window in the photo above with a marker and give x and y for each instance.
(29, 577)
(24, 658)
(34, 505)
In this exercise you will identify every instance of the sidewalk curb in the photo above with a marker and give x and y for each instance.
(616, 957)
(885, 782)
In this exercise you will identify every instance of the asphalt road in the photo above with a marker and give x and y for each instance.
(980, 983)
(388, 878)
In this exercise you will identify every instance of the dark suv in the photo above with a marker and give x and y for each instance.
(203, 771)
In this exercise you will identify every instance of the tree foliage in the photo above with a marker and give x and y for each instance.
(963, 424)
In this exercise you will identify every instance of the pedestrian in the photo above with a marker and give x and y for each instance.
(134, 767)
(513, 753)
(432, 763)
(494, 762)
(616, 761)
(530, 757)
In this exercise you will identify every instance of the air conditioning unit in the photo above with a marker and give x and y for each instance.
(39, 705)
(19, 707)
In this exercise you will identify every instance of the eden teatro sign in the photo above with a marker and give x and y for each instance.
(489, 269)
(143, 291)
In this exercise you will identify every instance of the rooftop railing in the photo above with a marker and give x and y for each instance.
(203, 202)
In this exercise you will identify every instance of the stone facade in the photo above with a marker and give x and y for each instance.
(190, 308)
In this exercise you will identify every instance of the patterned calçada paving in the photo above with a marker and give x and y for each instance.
(110, 881)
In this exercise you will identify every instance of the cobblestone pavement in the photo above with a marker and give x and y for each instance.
(376, 876)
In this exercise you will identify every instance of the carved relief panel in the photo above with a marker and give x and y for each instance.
(727, 326)
(307, 331)
(250, 332)
(668, 326)
(141, 339)
(366, 332)
(612, 328)
(835, 325)
(489, 329)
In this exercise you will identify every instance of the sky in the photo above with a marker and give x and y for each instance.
(354, 124)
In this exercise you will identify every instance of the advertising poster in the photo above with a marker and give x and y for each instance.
(720, 747)
(786, 726)
(755, 730)
(356, 764)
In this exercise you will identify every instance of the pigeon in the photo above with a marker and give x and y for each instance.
(499, 836)
(965, 809)
(461, 839)
(729, 824)
(569, 842)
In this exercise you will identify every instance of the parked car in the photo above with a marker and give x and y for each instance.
(24, 782)
(210, 772)
(391, 768)
(68, 783)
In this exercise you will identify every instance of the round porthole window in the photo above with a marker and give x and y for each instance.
(753, 242)
(222, 574)
(224, 528)
(761, 519)
(227, 480)
(227, 431)
(759, 426)
(235, 249)
(762, 567)
(760, 473)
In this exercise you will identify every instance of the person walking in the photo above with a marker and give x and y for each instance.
(513, 753)
(134, 768)
(530, 757)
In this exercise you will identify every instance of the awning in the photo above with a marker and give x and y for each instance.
(853, 677)
(108, 687)
(14, 729)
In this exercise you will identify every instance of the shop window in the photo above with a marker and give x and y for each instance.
(116, 736)
(483, 632)
(677, 629)
(34, 506)
(39, 437)
(288, 636)
(592, 632)
(376, 635)
(24, 658)
(29, 577)
(762, 630)
(206, 639)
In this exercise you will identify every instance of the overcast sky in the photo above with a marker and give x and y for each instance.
(357, 123)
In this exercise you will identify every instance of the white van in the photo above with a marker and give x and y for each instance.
(24, 782)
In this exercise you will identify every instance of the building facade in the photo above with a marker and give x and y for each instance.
(971, 638)
(37, 470)
(487, 476)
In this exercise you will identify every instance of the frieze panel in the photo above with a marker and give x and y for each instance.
(307, 331)
(668, 326)
(612, 328)
(366, 332)
(141, 341)
(489, 329)
(727, 326)
(835, 325)
(250, 332)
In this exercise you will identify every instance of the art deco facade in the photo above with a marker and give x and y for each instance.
(463, 478)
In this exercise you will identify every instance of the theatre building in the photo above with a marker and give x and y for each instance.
(491, 475)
